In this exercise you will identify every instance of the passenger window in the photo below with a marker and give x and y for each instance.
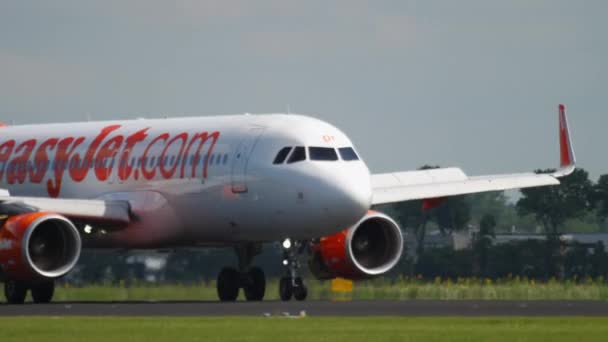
(211, 159)
(225, 159)
(348, 154)
(322, 153)
(280, 158)
(298, 154)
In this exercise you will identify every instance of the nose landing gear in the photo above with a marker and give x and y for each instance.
(292, 284)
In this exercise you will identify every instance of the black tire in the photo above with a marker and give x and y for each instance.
(43, 292)
(15, 291)
(255, 288)
(228, 285)
(300, 292)
(285, 289)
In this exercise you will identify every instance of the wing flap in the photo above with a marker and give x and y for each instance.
(471, 185)
(429, 176)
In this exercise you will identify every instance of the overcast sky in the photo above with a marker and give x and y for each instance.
(473, 84)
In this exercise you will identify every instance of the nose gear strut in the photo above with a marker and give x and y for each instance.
(292, 284)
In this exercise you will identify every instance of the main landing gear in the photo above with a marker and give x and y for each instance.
(251, 279)
(292, 284)
(16, 291)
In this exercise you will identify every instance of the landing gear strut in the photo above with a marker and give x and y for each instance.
(251, 279)
(292, 284)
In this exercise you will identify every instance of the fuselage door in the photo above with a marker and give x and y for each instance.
(241, 159)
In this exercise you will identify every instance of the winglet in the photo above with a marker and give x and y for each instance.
(566, 152)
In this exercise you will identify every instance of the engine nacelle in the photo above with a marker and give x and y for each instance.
(371, 247)
(38, 245)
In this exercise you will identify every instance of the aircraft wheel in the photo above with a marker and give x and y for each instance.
(285, 289)
(228, 284)
(255, 286)
(43, 292)
(15, 291)
(300, 292)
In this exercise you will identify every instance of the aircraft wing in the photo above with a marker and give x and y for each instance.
(109, 214)
(439, 183)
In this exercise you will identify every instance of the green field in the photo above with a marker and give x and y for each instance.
(303, 329)
(404, 289)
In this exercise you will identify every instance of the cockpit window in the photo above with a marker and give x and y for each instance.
(322, 153)
(348, 154)
(280, 158)
(298, 154)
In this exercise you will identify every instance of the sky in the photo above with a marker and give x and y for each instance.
(467, 83)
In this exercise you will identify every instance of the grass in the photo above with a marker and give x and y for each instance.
(400, 289)
(66, 329)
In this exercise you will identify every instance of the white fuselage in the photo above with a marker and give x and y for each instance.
(193, 181)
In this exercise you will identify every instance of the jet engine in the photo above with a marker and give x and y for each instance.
(371, 247)
(38, 245)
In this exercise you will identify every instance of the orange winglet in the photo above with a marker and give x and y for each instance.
(566, 152)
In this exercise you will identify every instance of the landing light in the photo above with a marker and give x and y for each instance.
(88, 229)
(285, 262)
(287, 244)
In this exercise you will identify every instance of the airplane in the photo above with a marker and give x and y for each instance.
(237, 181)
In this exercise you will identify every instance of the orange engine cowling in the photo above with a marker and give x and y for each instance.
(371, 247)
(38, 245)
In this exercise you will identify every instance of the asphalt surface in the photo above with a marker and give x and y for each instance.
(313, 308)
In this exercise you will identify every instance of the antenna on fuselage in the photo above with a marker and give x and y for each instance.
(288, 109)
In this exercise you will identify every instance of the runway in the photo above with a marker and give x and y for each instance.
(313, 308)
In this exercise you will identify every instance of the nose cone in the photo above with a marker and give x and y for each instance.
(357, 194)
(348, 196)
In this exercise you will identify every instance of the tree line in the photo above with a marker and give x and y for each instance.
(577, 205)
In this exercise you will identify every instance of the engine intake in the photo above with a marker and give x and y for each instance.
(371, 247)
(38, 245)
